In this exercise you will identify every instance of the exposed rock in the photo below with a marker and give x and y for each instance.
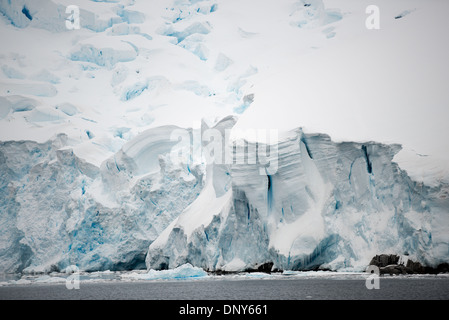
(443, 268)
(395, 269)
(390, 264)
(415, 267)
(264, 267)
(384, 260)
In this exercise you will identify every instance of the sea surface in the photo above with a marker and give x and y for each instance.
(298, 286)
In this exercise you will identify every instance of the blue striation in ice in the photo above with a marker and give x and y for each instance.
(329, 205)
(102, 56)
(59, 210)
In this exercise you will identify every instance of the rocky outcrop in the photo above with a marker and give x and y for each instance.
(384, 260)
(394, 264)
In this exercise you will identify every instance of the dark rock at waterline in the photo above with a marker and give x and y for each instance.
(443, 268)
(388, 264)
(384, 260)
(395, 269)
(264, 267)
(415, 267)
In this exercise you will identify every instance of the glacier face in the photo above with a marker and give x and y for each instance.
(328, 205)
(58, 210)
(323, 205)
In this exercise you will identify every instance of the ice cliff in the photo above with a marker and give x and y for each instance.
(313, 204)
(328, 205)
(57, 210)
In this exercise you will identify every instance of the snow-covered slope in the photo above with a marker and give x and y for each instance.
(88, 117)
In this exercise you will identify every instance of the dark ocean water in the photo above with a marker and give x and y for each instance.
(235, 289)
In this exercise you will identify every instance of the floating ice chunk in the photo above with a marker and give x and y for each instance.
(50, 279)
(186, 271)
(21, 281)
(259, 275)
(102, 274)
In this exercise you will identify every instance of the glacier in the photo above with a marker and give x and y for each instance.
(58, 210)
(92, 123)
(328, 205)
(325, 205)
